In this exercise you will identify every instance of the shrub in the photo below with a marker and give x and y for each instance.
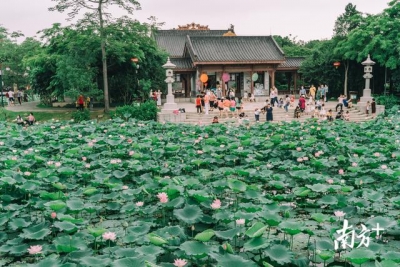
(388, 101)
(80, 116)
(146, 111)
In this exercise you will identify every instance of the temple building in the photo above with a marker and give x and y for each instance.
(244, 64)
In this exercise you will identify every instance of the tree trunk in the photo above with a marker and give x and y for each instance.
(104, 60)
(346, 72)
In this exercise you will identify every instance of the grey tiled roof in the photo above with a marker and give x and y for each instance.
(255, 49)
(183, 63)
(292, 62)
(173, 41)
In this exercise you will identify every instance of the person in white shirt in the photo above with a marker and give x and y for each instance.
(11, 97)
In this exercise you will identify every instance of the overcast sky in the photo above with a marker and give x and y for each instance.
(304, 19)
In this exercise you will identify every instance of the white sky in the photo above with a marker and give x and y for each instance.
(305, 19)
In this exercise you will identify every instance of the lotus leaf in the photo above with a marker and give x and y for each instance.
(360, 255)
(279, 254)
(194, 248)
(190, 214)
(36, 232)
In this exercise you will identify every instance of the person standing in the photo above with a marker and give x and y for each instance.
(373, 107)
(212, 101)
(269, 113)
(302, 103)
(81, 102)
(303, 91)
(257, 115)
(19, 97)
(227, 105)
(312, 91)
(272, 96)
(11, 97)
(340, 103)
(326, 91)
(287, 103)
(206, 103)
(219, 92)
(276, 94)
(198, 104)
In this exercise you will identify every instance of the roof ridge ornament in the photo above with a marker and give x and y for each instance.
(193, 27)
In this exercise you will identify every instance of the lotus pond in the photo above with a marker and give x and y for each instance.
(122, 193)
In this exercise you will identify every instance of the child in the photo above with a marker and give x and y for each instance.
(368, 107)
(286, 106)
(252, 98)
(322, 112)
(198, 104)
(297, 112)
(280, 103)
(292, 101)
(308, 109)
(215, 120)
(257, 115)
(318, 104)
(339, 115)
(347, 116)
(329, 115)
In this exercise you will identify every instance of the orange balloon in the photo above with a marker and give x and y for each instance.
(204, 78)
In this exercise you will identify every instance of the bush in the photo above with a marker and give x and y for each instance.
(388, 101)
(146, 111)
(80, 116)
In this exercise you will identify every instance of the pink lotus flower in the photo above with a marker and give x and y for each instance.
(330, 181)
(125, 187)
(139, 204)
(163, 197)
(1, 143)
(57, 164)
(200, 138)
(339, 213)
(129, 141)
(341, 171)
(269, 165)
(196, 141)
(321, 152)
(337, 138)
(35, 249)
(27, 173)
(384, 167)
(113, 161)
(90, 144)
(180, 263)
(240, 221)
(354, 164)
(393, 155)
(301, 138)
(355, 155)
(199, 152)
(131, 153)
(376, 154)
(216, 204)
(122, 125)
(87, 166)
(109, 236)
(300, 160)
(79, 135)
(84, 158)
(222, 146)
(105, 131)
(316, 154)
(50, 162)
(361, 182)
(298, 148)
(318, 128)
(53, 215)
(305, 158)
(14, 158)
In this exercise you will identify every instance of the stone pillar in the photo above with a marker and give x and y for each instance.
(367, 91)
(170, 104)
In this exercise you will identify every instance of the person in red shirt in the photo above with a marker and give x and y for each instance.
(81, 102)
(302, 103)
(198, 104)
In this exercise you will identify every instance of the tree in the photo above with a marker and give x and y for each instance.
(97, 13)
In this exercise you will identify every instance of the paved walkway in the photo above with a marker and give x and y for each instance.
(32, 107)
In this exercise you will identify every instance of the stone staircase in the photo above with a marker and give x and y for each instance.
(278, 116)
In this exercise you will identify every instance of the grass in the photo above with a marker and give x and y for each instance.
(48, 115)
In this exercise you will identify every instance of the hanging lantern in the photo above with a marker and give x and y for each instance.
(336, 64)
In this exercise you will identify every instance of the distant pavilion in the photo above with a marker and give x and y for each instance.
(197, 50)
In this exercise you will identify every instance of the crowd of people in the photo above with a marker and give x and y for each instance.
(84, 102)
(13, 97)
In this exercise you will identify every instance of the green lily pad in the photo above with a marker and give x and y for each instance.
(190, 214)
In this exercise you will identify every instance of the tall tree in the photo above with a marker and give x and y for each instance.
(97, 13)
(350, 20)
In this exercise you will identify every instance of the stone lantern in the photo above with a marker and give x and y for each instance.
(368, 63)
(170, 105)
